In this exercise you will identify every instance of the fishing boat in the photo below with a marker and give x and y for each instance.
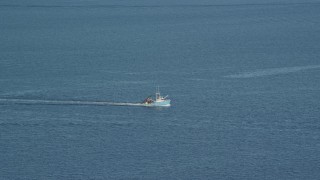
(158, 101)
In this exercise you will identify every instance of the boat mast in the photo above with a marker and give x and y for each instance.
(157, 93)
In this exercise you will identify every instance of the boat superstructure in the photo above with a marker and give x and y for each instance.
(158, 101)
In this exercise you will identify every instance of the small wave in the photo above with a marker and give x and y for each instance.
(199, 79)
(272, 71)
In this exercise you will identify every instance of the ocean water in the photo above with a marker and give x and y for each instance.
(243, 77)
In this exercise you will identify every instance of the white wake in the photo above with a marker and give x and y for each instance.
(272, 71)
(60, 102)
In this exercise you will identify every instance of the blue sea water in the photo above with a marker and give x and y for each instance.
(243, 77)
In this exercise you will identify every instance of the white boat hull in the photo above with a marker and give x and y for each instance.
(163, 103)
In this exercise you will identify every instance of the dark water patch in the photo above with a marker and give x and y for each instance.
(19, 124)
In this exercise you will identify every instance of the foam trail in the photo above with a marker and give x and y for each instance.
(56, 102)
(272, 71)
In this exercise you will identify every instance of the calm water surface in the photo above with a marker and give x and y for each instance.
(243, 77)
